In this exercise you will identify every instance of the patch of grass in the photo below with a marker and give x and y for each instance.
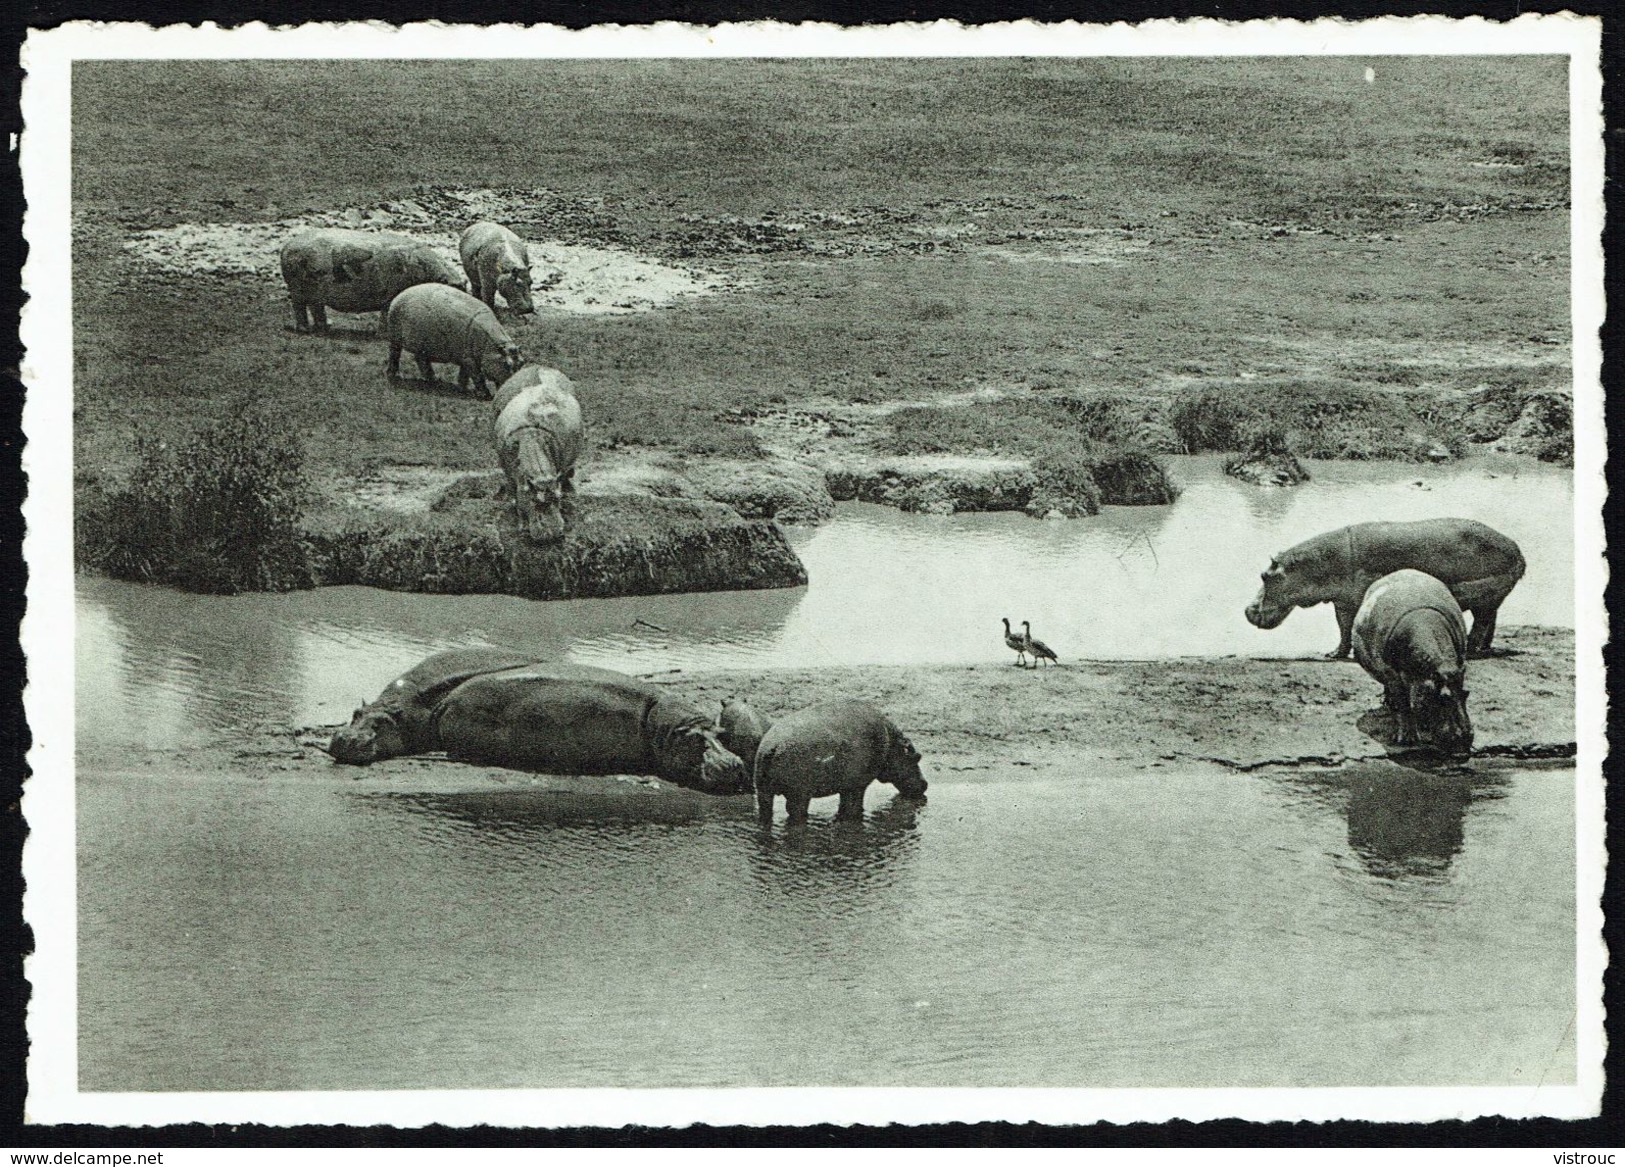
(1079, 447)
(216, 512)
(1315, 419)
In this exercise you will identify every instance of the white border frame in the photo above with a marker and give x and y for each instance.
(49, 857)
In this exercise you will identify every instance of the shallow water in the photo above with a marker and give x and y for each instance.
(1363, 926)
(158, 667)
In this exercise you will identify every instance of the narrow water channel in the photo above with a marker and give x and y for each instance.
(1134, 582)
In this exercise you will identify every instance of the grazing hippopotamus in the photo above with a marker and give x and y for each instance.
(398, 722)
(497, 260)
(1478, 564)
(570, 719)
(740, 729)
(1409, 634)
(437, 323)
(356, 271)
(538, 437)
(836, 747)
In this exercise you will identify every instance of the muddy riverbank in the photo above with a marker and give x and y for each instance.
(994, 722)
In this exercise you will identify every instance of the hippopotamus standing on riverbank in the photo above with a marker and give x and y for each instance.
(399, 721)
(1410, 636)
(496, 260)
(836, 747)
(1478, 564)
(740, 729)
(437, 323)
(356, 271)
(538, 438)
(570, 719)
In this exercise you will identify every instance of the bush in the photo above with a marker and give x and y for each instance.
(1213, 419)
(216, 512)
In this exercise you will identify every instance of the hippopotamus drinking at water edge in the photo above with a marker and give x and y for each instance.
(1477, 563)
(1409, 635)
(835, 747)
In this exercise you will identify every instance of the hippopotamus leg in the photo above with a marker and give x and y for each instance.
(1396, 697)
(1483, 598)
(851, 805)
(797, 805)
(764, 806)
(1345, 628)
(392, 367)
(319, 313)
(425, 368)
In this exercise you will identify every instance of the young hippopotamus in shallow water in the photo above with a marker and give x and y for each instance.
(740, 729)
(1409, 635)
(1477, 563)
(836, 747)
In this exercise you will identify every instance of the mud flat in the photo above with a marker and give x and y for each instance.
(990, 722)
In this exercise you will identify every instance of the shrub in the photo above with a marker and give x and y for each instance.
(1213, 419)
(218, 511)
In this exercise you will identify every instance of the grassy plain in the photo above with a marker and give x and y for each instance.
(1025, 227)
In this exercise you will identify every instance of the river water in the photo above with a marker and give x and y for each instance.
(886, 588)
(1115, 927)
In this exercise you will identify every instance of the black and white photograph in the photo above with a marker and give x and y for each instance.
(784, 574)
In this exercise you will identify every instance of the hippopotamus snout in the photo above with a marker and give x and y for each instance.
(1263, 614)
(546, 524)
(912, 787)
(1443, 724)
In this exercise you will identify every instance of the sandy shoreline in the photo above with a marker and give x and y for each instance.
(987, 722)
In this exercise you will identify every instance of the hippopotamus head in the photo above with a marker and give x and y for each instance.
(740, 728)
(371, 736)
(1439, 712)
(1275, 600)
(514, 284)
(693, 749)
(538, 490)
(902, 767)
(499, 362)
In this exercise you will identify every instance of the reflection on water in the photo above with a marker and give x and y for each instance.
(1114, 928)
(156, 666)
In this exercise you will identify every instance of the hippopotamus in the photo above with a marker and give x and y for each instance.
(1478, 564)
(538, 438)
(740, 729)
(497, 260)
(356, 271)
(571, 719)
(398, 722)
(1410, 636)
(437, 323)
(835, 747)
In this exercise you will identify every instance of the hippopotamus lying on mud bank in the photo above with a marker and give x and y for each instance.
(558, 719)
(399, 722)
(1477, 563)
(569, 719)
(835, 747)
(356, 271)
(437, 323)
(538, 439)
(1410, 636)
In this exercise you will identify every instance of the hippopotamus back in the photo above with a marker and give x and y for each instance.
(574, 719)
(544, 400)
(1387, 604)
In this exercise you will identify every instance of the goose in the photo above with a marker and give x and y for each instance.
(1038, 649)
(1019, 643)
